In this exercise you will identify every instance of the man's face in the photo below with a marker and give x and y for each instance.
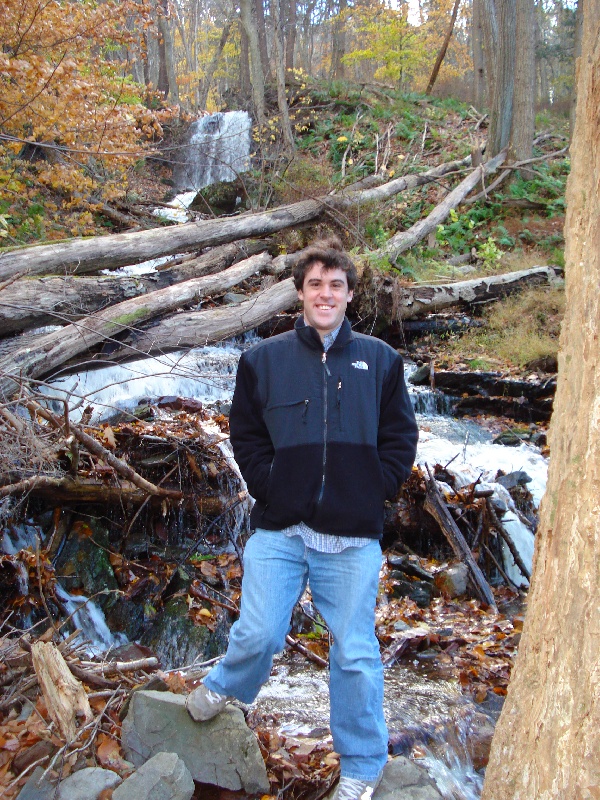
(325, 295)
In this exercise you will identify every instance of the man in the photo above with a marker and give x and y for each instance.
(323, 431)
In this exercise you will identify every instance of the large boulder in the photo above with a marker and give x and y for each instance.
(164, 777)
(222, 751)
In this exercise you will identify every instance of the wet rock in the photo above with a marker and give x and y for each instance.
(517, 478)
(87, 784)
(479, 740)
(421, 592)
(410, 566)
(509, 439)
(177, 641)
(223, 751)
(404, 780)
(84, 564)
(420, 376)
(234, 297)
(499, 505)
(163, 777)
(452, 582)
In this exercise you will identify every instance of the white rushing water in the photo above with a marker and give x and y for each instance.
(218, 150)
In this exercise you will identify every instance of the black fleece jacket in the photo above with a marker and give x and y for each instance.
(322, 438)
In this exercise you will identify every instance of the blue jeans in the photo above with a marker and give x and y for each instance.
(344, 589)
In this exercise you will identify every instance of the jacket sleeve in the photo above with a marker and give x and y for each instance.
(398, 433)
(252, 446)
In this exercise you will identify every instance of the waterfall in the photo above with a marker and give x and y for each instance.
(218, 150)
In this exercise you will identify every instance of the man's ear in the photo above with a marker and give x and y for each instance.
(350, 295)
(300, 295)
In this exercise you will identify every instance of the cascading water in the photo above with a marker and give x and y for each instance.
(218, 150)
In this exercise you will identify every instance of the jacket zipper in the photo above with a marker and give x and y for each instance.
(326, 374)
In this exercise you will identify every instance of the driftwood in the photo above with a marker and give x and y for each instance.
(93, 445)
(77, 256)
(435, 505)
(65, 697)
(52, 300)
(396, 301)
(70, 490)
(406, 239)
(60, 346)
(45, 353)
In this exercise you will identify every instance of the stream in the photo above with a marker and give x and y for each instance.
(426, 714)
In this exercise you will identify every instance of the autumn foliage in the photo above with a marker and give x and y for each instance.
(64, 86)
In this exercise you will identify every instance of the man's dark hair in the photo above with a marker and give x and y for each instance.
(330, 252)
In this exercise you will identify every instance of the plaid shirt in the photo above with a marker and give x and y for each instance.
(325, 542)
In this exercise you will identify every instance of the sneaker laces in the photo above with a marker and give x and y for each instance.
(213, 698)
(353, 789)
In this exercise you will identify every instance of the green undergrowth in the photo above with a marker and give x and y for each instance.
(517, 331)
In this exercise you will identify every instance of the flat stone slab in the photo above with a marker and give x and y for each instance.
(223, 751)
(86, 784)
(163, 777)
(404, 780)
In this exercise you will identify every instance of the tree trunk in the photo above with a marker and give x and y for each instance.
(523, 121)
(406, 239)
(503, 93)
(546, 744)
(338, 42)
(261, 28)
(258, 79)
(291, 16)
(166, 32)
(479, 74)
(288, 136)
(441, 55)
(244, 63)
(212, 67)
(576, 55)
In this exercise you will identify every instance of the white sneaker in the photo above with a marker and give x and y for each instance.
(203, 704)
(352, 789)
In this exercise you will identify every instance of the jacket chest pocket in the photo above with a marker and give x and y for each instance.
(289, 423)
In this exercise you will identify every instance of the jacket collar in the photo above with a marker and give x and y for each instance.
(309, 336)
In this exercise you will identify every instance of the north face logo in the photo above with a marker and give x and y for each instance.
(360, 365)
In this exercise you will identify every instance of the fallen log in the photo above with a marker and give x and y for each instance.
(406, 239)
(35, 302)
(55, 348)
(488, 383)
(435, 505)
(81, 256)
(398, 300)
(65, 697)
(43, 354)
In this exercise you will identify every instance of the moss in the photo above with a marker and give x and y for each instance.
(128, 319)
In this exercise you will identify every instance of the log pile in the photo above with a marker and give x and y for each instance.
(120, 317)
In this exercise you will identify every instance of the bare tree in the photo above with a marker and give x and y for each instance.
(256, 69)
(288, 136)
(443, 49)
